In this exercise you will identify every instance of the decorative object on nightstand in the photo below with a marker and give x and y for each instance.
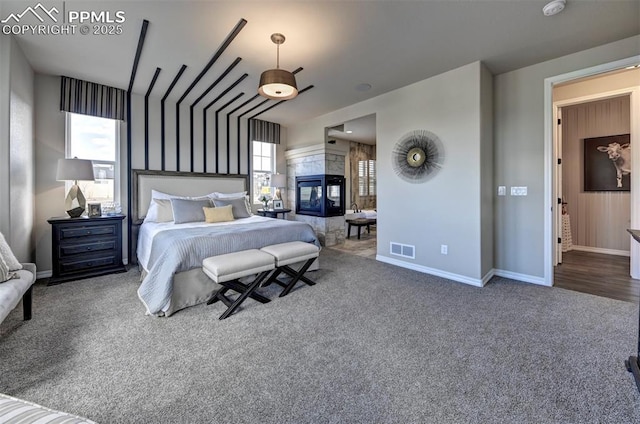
(278, 181)
(278, 204)
(265, 198)
(73, 170)
(86, 247)
(94, 210)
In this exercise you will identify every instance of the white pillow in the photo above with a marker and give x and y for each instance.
(154, 214)
(5, 274)
(218, 195)
(8, 256)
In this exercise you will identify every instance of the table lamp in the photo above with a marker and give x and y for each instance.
(277, 181)
(73, 170)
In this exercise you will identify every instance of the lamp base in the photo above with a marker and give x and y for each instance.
(75, 194)
(75, 212)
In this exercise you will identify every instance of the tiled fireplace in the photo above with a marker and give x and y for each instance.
(310, 165)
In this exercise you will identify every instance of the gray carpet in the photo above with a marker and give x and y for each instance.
(370, 343)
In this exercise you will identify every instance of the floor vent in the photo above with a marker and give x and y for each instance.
(403, 250)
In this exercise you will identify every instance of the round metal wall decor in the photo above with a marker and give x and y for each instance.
(417, 156)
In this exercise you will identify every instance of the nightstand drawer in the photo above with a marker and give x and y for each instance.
(90, 263)
(95, 230)
(76, 249)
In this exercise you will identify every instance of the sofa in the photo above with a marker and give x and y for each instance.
(19, 287)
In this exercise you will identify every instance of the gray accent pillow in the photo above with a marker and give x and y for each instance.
(239, 206)
(189, 210)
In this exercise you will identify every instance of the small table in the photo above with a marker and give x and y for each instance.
(359, 223)
(273, 213)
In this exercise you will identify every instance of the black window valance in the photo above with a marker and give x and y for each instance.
(265, 131)
(93, 99)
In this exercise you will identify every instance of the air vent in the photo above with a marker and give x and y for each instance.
(404, 250)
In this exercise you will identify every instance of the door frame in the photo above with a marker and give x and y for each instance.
(550, 160)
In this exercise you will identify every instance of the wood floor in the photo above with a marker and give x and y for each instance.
(586, 272)
(598, 274)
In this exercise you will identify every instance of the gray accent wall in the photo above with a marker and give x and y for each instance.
(446, 209)
(519, 153)
(16, 149)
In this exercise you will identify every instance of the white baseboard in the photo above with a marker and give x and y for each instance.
(520, 277)
(601, 250)
(437, 272)
(43, 274)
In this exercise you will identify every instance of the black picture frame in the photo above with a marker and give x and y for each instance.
(94, 210)
(600, 170)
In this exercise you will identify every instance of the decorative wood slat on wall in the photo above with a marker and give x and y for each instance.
(598, 219)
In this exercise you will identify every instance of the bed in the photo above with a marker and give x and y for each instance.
(170, 254)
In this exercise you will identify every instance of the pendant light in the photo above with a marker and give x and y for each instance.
(278, 84)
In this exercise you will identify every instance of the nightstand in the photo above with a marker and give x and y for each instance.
(85, 247)
(273, 213)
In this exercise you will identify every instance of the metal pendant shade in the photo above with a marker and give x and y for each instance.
(278, 84)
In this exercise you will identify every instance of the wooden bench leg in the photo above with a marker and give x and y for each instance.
(299, 275)
(249, 290)
(349, 231)
(27, 300)
(359, 228)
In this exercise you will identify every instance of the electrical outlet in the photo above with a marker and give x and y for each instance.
(502, 191)
(444, 249)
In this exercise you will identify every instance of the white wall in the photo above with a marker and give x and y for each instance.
(16, 149)
(519, 158)
(447, 208)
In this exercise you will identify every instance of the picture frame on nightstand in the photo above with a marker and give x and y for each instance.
(94, 210)
(278, 204)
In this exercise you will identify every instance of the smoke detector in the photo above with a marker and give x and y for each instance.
(554, 7)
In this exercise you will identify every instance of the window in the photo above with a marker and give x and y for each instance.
(264, 164)
(367, 177)
(97, 139)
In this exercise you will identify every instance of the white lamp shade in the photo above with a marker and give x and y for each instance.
(74, 169)
(278, 180)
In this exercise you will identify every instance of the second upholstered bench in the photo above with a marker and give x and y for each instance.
(228, 269)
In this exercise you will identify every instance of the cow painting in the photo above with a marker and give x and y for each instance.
(621, 158)
(607, 163)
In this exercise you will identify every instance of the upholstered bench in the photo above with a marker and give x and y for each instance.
(287, 254)
(20, 287)
(227, 270)
(13, 410)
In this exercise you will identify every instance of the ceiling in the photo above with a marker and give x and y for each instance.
(340, 44)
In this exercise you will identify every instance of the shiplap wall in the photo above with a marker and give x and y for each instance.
(598, 219)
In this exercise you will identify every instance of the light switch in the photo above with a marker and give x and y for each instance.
(518, 191)
(502, 191)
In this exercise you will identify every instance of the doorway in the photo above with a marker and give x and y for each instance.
(357, 137)
(554, 171)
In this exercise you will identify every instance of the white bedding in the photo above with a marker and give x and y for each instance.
(149, 229)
